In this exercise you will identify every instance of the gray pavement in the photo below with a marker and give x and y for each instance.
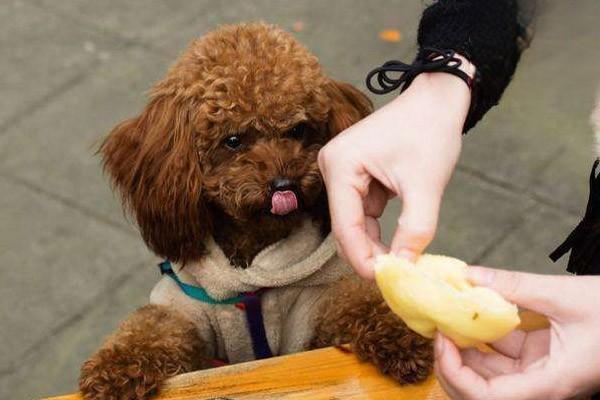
(72, 266)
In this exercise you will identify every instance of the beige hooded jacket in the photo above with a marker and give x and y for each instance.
(297, 270)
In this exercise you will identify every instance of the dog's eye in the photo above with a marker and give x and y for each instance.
(233, 142)
(297, 132)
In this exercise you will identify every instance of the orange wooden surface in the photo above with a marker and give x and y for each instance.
(320, 374)
(316, 375)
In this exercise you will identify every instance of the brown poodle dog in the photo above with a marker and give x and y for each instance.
(220, 172)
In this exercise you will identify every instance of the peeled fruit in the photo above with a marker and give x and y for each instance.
(434, 294)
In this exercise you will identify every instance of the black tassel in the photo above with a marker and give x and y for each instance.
(584, 241)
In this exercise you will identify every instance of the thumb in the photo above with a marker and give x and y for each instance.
(416, 225)
(539, 293)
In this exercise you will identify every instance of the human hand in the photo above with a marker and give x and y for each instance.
(556, 363)
(408, 148)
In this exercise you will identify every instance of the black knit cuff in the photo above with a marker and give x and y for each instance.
(483, 31)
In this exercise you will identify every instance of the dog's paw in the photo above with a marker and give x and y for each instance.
(124, 374)
(397, 351)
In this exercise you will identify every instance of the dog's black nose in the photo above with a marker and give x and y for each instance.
(282, 184)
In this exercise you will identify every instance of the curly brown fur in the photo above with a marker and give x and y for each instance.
(175, 173)
(182, 181)
(152, 345)
(354, 312)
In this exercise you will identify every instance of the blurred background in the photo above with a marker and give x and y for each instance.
(72, 266)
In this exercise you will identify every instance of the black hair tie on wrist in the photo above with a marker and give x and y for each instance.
(428, 59)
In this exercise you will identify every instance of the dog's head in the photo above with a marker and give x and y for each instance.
(235, 125)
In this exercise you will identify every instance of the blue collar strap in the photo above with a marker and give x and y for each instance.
(195, 292)
(249, 302)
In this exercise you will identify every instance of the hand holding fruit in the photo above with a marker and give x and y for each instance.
(560, 362)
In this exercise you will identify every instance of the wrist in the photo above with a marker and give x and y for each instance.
(449, 84)
(466, 66)
(451, 92)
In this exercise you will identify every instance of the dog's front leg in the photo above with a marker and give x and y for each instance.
(354, 313)
(154, 343)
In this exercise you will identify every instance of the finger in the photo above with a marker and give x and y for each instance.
(461, 379)
(376, 200)
(440, 378)
(445, 386)
(349, 227)
(374, 233)
(530, 385)
(534, 292)
(535, 347)
(511, 344)
(374, 205)
(533, 384)
(489, 365)
(377, 250)
(340, 251)
(417, 223)
(526, 347)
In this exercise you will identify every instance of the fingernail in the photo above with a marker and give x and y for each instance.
(439, 345)
(369, 271)
(480, 276)
(405, 253)
(379, 250)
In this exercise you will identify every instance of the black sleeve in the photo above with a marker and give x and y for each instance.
(486, 32)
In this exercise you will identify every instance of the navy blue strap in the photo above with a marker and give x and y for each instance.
(249, 302)
(254, 317)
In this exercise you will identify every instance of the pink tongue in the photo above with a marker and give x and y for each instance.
(283, 203)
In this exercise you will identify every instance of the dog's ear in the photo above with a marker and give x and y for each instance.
(153, 162)
(348, 106)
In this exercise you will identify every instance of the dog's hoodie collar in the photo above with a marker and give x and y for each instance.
(302, 259)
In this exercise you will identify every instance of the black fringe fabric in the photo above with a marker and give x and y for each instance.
(584, 241)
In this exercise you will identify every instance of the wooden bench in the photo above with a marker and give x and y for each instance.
(326, 374)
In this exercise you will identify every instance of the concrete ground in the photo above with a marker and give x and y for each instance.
(72, 266)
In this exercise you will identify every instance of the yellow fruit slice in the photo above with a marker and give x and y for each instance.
(434, 294)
